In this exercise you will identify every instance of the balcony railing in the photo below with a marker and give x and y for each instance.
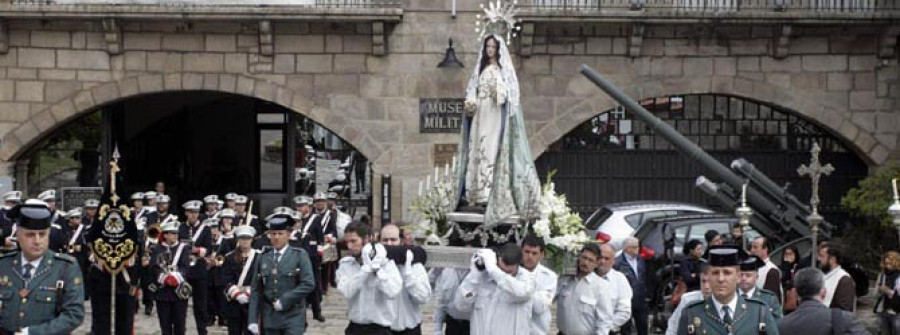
(810, 6)
(297, 3)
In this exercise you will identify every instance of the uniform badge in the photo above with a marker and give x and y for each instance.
(697, 322)
(77, 281)
(4, 281)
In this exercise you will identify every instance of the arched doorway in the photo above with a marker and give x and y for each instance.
(199, 143)
(614, 157)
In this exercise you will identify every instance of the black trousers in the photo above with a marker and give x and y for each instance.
(315, 297)
(199, 292)
(238, 325)
(368, 329)
(172, 316)
(215, 303)
(412, 331)
(101, 310)
(455, 327)
(639, 316)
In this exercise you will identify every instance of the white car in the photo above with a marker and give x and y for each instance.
(614, 222)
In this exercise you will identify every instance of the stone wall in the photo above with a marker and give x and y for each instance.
(57, 70)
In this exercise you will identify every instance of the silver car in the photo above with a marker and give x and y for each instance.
(614, 222)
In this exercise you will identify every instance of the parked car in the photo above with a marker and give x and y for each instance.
(614, 222)
(662, 240)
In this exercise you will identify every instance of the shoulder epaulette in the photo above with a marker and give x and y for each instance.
(695, 303)
(265, 249)
(9, 254)
(763, 291)
(64, 257)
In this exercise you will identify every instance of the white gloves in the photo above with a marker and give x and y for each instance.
(243, 299)
(161, 279)
(253, 328)
(490, 260)
(278, 306)
(232, 291)
(366, 258)
(380, 257)
(407, 268)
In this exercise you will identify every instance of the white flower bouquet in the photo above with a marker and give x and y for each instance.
(561, 229)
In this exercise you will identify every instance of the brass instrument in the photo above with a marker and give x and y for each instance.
(220, 260)
(246, 218)
(153, 232)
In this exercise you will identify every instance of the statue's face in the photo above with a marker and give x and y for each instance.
(490, 48)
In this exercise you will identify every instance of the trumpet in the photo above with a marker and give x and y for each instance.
(153, 232)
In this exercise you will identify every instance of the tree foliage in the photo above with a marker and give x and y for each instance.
(871, 198)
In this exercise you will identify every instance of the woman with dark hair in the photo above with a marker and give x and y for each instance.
(690, 264)
(790, 263)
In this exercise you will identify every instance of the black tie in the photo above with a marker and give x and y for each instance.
(277, 256)
(745, 296)
(727, 318)
(27, 272)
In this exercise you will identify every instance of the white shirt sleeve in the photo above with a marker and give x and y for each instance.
(521, 287)
(622, 308)
(389, 280)
(545, 290)
(350, 277)
(465, 296)
(417, 284)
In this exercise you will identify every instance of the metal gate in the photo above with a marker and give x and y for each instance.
(613, 158)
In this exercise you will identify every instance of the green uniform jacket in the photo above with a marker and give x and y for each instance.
(771, 300)
(701, 317)
(37, 310)
(289, 281)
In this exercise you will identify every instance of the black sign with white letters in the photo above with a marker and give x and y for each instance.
(440, 115)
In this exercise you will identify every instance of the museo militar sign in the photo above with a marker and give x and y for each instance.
(440, 115)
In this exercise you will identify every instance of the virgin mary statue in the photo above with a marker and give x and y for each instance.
(496, 171)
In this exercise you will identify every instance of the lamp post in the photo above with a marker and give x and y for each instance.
(743, 212)
(894, 209)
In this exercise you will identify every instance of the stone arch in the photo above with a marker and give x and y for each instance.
(821, 109)
(41, 124)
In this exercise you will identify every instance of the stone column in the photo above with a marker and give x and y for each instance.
(7, 173)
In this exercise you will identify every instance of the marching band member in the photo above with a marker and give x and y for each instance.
(237, 273)
(211, 204)
(327, 219)
(139, 210)
(227, 224)
(90, 211)
(242, 217)
(75, 243)
(415, 292)
(367, 279)
(162, 210)
(170, 261)
(308, 236)
(193, 231)
(8, 227)
(214, 260)
(500, 288)
(283, 279)
(151, 197)
(57, 220)
(229, 200)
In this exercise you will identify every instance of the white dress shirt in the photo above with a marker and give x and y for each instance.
(500, 303)
(632, 261)
(686, 299)
(445, 291)
(545, 281)
(621, 297)
(35, 263)
(732, 305)
(414, 295)
(369, 295)
(584, 306)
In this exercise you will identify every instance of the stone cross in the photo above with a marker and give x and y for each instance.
(815, 170)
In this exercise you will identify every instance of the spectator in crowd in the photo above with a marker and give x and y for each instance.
(888, 288)
(690, 264)
(813, 316)
(633, 267)
(769, 274)
(839, 284)
(712, 238)
(620, 292)
(789, 266)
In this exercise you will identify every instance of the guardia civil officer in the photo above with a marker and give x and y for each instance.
(170, 261)
(309, 237)
(283, 279)
(726, 311)
(194, 232)
(41, 290)
(748, 289)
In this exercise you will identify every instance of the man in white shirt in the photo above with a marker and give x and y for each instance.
(690, 297)
(769, 276)
(620, 293)
(584, 305)
(498, 294)
(415, 292)
(545, 284)
(369, 281)
(445, 311)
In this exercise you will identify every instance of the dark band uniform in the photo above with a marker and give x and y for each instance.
(171, 309)
(52, 301)
(750, 316)
(286, 282)
(231, 275)
(752, 264)
(198, 276)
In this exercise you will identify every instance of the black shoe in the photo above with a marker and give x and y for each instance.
(148, 310)
(319, 318)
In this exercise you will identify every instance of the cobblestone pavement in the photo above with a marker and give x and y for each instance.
(335, 311)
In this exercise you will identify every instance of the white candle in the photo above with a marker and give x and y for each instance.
(896, 195)
(420, 188)
(436, 174)
(428, 183)
(446, 169)
(453, 163)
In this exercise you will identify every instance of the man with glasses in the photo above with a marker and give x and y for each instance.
(583, 303)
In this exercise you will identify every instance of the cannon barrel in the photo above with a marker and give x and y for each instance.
(790, 227)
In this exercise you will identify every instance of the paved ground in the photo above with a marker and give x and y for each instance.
(335, 312)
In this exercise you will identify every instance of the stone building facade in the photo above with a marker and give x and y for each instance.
(361, 71)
